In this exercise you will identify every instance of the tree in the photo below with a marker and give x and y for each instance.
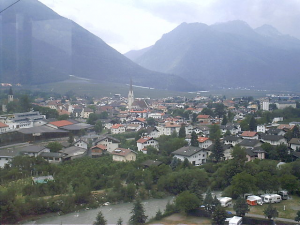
(239, 156)
(120, 221)
(297, 218)
(282, 151)
(98, 127)
(194, 139)
(63, 117)
(54, 146)
(187, 201)
(158, 215)
(217, 152)
(241, 207)
(151, 121)
(219, 109)
(219, 215)
(224, 120)
(243, 183)
(252, 124)
(138, 213)
(271, 212)
(290, 182)
(71, 138)
(182, 132)
(24, 103)
(214, 132)
(100, 219)
(208, 200)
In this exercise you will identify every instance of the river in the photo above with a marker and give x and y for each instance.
(111, 213)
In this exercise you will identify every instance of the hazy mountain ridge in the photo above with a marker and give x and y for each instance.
(39, 46)
(227, 55)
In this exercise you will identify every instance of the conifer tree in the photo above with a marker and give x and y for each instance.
(138, 214)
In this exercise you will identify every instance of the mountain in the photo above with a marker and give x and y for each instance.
(227, 55)
(39, 46)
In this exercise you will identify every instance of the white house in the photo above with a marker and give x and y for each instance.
(82, 144)
(168, 128)
(123, 155)
(232, 140)
(294, 144)
(273, 139)
(261, 128)
(146, 141)
(204, 142)
(117, 129)
(195, 155)
(110, 142)
(34, 150)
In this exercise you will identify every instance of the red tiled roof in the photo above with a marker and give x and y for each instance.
(203, 116)
(103, 147)
(141, 119)
(61, 123)
(285, 126)
(202, 139)
(116, 126)
(144, 139)
(248, 134)
(171, 125)
(3, 125)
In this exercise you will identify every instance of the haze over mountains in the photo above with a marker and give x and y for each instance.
(228, 54)
(39, 46)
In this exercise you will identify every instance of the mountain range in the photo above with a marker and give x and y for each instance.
(226, 55)
(39, 46)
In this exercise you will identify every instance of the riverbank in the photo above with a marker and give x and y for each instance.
(111, 213)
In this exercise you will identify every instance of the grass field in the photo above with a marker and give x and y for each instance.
(286, 208)
(105, 89)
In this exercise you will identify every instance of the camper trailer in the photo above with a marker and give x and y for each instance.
(272, 198)
(254, 200)
(225, 201)
(284, 195)
(236, 220)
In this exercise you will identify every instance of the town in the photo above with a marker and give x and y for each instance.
(62, 154)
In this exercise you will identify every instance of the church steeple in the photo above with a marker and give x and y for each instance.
(10, 95)
(130, 96)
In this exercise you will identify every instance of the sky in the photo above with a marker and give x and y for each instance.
(135, 24)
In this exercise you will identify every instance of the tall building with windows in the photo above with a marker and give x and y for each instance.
(130, 96)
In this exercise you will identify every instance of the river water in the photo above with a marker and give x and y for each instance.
(111, 213)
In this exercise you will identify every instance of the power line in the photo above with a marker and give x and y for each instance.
(9, 6)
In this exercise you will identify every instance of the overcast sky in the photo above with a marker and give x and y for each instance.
(135, 24)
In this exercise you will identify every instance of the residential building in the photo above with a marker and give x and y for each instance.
(232, 140)
(249, 135)
(123, 155)
(117, 129)
(204, 142)
(34, 150)
(294, 144)
(144, 142)
(204, 119)
(195, 155)
(255, 153)
(111, 143)
(273, 139)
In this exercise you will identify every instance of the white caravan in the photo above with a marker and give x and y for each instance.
(272, 198)
(225, 201)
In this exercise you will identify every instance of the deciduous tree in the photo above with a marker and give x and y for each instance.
(241, 207)
(187, 201)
